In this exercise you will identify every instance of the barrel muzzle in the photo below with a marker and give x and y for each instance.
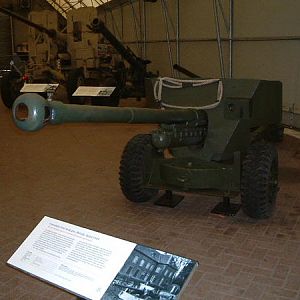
(31, 112)
(96, 25)
(95, 22)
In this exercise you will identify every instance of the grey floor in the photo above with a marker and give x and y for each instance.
(70, 173)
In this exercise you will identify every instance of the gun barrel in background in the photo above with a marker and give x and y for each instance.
(51, 33)
(185, 71)
(98, 26)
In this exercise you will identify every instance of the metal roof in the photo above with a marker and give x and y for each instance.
(63, 6)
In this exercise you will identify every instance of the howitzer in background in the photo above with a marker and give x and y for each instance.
(129, 81)
(219, 133)
(47, 54)
(94, 60)
(75, 57)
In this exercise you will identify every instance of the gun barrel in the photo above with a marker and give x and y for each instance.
(38, 112)
(185, 71)
(51, 33)
(98, 26)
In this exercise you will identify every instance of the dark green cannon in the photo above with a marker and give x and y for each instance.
(219, 135)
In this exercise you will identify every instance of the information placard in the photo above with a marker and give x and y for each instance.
(96, 266)
(39, 87)
(93, 91)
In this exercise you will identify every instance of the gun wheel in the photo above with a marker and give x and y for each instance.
(276, 134)
(75, 79)
(11, 85)
(137, 155)
(259, 181)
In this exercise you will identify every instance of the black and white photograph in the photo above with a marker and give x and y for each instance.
(150, 274)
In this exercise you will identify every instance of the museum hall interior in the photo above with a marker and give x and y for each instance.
(150, 149)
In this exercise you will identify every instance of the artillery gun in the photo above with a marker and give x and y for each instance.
(103, 70)
(77, 57)
(93, 59)
(130, 82)
(47, 54)
(219, 135)
(87, 54)
(98, 59)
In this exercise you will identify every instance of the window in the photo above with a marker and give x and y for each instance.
(142, 262)
(143, 275)
(136, 273)
(158, 269)
(129, 270)
(135, 260)
(152, 279)
(161, 281)
(148, 265)
(166, 273)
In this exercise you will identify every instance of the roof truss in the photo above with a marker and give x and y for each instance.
(63, 6)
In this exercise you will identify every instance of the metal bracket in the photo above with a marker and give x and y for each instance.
(226, 208)
(168, 199)
(13, 66)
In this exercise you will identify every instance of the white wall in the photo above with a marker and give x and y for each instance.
(279, 60)
(275, 60)
(197, 21)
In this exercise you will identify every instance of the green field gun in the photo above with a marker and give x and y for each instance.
(214, 136)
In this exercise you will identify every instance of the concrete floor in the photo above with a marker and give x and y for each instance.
(70, 173)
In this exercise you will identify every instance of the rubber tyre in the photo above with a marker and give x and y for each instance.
(137, 153)
(114, 98)
(259, 180)
(75, 79)
(10, 88)
(276, 134)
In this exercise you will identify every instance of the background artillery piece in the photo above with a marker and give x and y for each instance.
(129, 81)
(47, 54)
(75, 57)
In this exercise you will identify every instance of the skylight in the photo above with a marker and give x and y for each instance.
(63, 6)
